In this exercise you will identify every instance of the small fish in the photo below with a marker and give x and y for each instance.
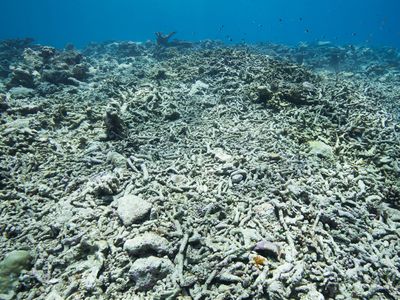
(300, 19)
(354, 34)
(280, 20)
(307, 31)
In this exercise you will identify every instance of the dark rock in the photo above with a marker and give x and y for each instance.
(298, 94)
(57, 76)
(47, 88)
(71, 57)
(80, 71)
(268, 248)
(173, 116)
(3, 103)
(21, 77)
(3, 70)
(264, 94)
(161, 74)
(113, 122)
(47, 52)
(330, 220)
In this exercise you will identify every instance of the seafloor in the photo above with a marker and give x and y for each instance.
(137, 171)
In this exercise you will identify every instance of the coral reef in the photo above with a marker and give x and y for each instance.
(43, 64)
(149, 171)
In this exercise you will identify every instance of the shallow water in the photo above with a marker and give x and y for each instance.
(191, 166)
(368, 22)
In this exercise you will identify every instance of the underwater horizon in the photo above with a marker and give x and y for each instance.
(370, 23)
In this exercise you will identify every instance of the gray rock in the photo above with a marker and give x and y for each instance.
(237, 178)
(147, 271)
(148, 242)
(21, 92)
(133, 209)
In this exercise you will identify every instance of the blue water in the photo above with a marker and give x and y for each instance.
(57, 22)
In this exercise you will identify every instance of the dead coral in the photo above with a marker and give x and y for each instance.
(115, 128)
(164, 40)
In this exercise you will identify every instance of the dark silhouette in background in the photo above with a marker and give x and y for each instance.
(163, 40)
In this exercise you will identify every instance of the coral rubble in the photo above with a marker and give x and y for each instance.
(148, 171)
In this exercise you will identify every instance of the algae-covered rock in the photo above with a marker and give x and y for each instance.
(10, 268)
